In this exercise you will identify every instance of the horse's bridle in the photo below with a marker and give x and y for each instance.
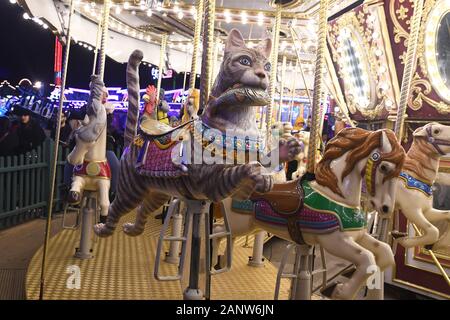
(371, 169)
(436, 142)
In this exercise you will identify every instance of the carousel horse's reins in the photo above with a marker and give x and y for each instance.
(436, 142)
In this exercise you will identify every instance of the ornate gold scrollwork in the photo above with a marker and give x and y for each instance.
(364, 31)
(421, 84)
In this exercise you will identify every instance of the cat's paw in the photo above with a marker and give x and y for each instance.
(131, 230)
(102, 230)
(289, 148)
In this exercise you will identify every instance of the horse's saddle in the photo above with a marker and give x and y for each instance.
(284, 198)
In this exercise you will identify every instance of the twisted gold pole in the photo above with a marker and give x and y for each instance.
(408, 72)
(104, 40)
(273, 75)
(55, 154)
(197, 33)
(162, 53)
(318, 85)
(208, 50)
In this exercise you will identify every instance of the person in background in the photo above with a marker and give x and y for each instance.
(65, 133)
(9, 141)
(30, 133)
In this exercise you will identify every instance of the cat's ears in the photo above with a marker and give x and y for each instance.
(236, 41)
(265, 46)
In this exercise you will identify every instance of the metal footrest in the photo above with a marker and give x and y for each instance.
(68, 207)
(174, 207)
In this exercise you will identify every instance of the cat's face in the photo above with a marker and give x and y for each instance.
(243, 66)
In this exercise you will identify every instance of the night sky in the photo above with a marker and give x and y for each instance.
(27, 51)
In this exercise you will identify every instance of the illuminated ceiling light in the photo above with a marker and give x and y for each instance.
(26, 16)
(13, 1)
(38, 84)
(176, 8)
(260, 18)
(126, 5)
(244, 19)
(158, 7)
(227, 16)
(118, 10)
(149, 13)
(93, 4)
(193, 11)
(180, 15)
(45, 26)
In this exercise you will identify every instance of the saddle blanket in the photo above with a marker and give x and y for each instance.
(318, 215)
(155, 158)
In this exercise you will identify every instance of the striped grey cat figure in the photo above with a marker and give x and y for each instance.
(149, 175)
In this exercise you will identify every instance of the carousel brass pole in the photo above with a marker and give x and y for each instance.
(97, 44)
(410, 62)
(318, 85)
(104, 39)
(197, 33)
(55, 154)
(274, 71)
(433, 256)
(162, 53)
(283, 76)
(208, 51)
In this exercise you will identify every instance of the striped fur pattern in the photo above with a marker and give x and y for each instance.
(133, 96)
(214, 182)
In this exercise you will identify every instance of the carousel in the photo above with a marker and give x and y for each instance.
(354, 95)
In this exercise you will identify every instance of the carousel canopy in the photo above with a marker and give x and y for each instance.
(140, 24)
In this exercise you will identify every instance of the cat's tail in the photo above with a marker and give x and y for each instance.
(133, 96)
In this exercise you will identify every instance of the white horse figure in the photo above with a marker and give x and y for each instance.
(91, 171)
(326, 210)
(431, 142)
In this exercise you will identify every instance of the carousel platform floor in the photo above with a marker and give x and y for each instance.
(122, 268)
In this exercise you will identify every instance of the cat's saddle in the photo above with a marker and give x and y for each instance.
(153, 127)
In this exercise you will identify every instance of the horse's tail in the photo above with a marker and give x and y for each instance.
(133, 96)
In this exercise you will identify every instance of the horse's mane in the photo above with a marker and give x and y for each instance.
(418, 158)
(358, 143)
